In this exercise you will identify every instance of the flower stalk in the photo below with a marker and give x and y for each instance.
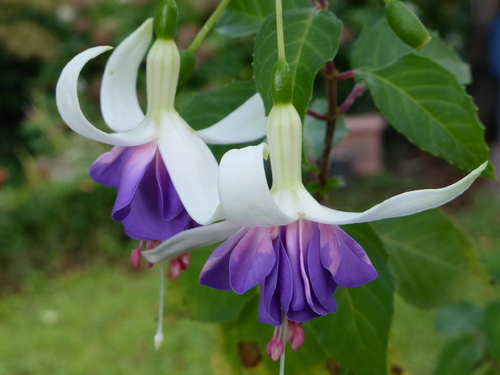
(208, 26)
(330, 76)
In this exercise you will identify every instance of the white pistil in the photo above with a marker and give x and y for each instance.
(159, 332)
(284, 333)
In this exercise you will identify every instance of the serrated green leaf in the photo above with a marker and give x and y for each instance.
(459, 356)
(428, 256)
(424, 101)
(492, 328)
(201, 302)
(311, 39)
(460, 318)
(244, 18)
(314, 131)
(357, 334)
(378, 46)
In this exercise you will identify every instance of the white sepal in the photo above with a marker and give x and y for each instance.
(404, 204)
(245, 124)
(119, 105)
(244, 192)
(71, 113)
(191, 165)
(189, 240)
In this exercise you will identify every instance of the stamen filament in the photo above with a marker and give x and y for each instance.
(159, 331)
(284, 327)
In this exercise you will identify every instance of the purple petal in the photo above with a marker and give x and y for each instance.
(144, 221)
(133, 173)
(344, 258)
(269, 304)
(170, 204)
(321, 280)
(215, 272)
(253, 258)
(285, 280)
(292, 246)
(108, 168)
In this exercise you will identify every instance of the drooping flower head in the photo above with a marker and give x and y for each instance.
(165, 174)
(282, 238)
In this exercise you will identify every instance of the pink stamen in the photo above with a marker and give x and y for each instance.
(184, 259)
(135, 257)
(274, 348)
(298, 338)
(149, 264)
(175, 268)
(292, 329)
(152, 244)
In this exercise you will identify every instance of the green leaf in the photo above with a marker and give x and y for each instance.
(425, 102)
(243, 17)
(360, 327)
(428, 255)
(207, 108)
(201, 302)
(459, 356)
(492, 328)
(311, 39)
(460, 318)
(314, 131)
(378, 46)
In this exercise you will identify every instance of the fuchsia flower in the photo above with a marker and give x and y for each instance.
(282, 238)
(165, 174)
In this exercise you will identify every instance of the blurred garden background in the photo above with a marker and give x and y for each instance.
(70, 303)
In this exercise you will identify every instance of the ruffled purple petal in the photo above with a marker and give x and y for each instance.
(170, 204)
(215, 272)
(252, 259)
(270, 293)
(147, 203)
(108, 168)
(320, 279)
(292, 246)
(285, 280)
(344, 258)
(135, 172)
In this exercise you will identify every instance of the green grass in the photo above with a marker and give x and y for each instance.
(98, 322)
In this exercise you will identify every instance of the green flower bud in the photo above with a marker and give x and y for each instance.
(282, 83)
(188, 62)
(406, 24)
(166, 20)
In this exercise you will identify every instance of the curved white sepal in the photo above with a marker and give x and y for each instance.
(245, 124)
(408, 203)
(119, 104)
(189, 240)
(191, 166)
(71, 113)
(244, 193)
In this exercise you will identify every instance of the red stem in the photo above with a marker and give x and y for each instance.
(345, 75)
(351, 98)
(316, 115)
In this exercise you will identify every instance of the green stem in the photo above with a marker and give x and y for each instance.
(207, 26)
(279, 31)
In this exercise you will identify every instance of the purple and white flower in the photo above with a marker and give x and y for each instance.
(282, 238)
(165, 173)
